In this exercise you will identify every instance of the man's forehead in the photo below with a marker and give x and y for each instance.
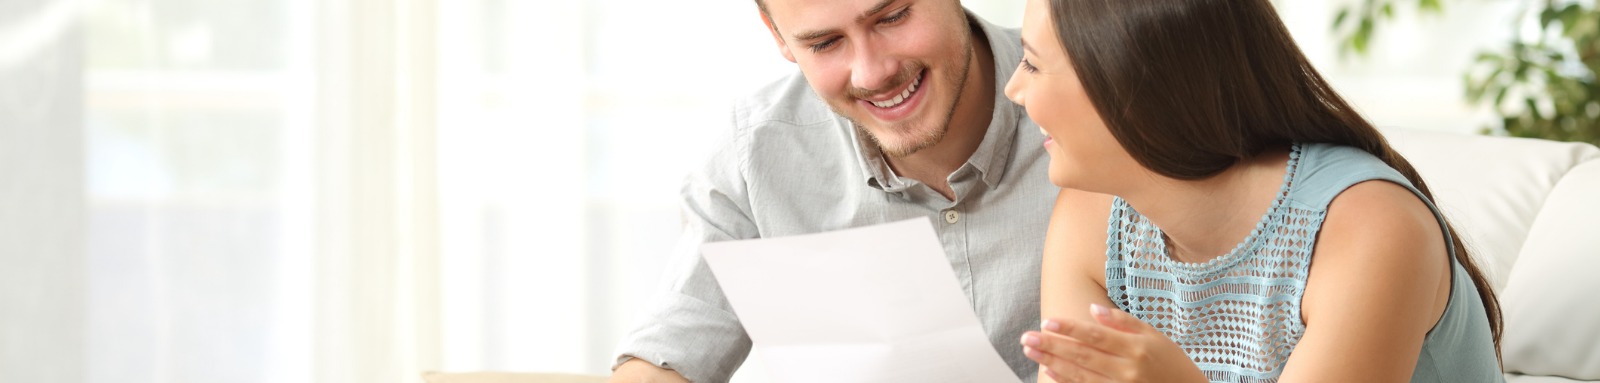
(792, 14)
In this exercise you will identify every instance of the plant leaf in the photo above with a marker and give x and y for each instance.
(1431, 5)
(1362, 35)
(1500, 96)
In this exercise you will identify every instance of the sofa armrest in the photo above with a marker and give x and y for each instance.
(1552, 319)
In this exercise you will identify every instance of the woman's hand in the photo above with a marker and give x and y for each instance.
(1116, 347)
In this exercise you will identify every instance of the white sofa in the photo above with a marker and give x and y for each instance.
(1530, 212)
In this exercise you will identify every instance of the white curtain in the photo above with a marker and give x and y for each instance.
(361, 190)
(345, 191)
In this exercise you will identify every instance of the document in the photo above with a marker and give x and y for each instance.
(871, 304)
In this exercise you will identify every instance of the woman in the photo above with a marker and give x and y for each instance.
(1226, 216)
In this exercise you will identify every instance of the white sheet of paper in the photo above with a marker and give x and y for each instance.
(870, 304)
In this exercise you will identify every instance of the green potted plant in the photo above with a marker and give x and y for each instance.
(1543, 87)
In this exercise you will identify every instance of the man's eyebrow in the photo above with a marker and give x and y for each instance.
(874, 10)
(859, 18)
(814, 34)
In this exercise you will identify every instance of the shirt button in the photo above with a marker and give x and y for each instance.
(951, 216)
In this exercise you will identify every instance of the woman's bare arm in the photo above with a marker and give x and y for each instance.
(1379, 281)
(1073, 268)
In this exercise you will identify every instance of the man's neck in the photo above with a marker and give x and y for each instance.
(973, 110)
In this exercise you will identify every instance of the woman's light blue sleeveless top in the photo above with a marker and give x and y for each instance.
(1238, 315)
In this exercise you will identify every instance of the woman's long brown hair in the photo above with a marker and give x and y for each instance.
(1191, 87)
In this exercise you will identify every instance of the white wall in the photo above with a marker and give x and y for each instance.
(1413, 77)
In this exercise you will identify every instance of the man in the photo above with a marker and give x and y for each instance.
(895, 114)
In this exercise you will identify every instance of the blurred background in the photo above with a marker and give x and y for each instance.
(361, 190)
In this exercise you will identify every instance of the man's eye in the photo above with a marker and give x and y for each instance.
(897, 16)
(818, 47)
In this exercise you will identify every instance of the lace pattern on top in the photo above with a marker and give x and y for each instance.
(1238, 315)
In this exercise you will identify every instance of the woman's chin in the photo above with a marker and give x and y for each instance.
(1060, 180)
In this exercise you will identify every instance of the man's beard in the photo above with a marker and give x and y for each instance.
(927, 138)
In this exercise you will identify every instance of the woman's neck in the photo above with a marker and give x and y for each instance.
(1206, 218)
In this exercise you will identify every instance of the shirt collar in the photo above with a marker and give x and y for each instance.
(994, 152)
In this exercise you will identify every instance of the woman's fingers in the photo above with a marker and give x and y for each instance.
(1117, 319)
(1093, 334)
(1113, 346)
(1070, 358)
(1062, 370)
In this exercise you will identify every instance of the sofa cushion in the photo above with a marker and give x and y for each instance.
(1551, 312)
(507, 377)
(1489, 187)
(1513, 378)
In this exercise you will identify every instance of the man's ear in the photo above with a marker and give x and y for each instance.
(777, 37)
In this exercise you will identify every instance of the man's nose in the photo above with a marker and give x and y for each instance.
(872, 69)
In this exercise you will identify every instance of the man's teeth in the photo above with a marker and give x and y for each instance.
(900, 98)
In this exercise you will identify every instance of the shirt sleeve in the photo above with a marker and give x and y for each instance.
(691, 328)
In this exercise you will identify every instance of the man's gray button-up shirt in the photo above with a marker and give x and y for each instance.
(791, 166)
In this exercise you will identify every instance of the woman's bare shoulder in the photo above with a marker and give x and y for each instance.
(1378, 238)
(1077, 233)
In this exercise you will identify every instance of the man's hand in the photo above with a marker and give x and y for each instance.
(640, 371)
